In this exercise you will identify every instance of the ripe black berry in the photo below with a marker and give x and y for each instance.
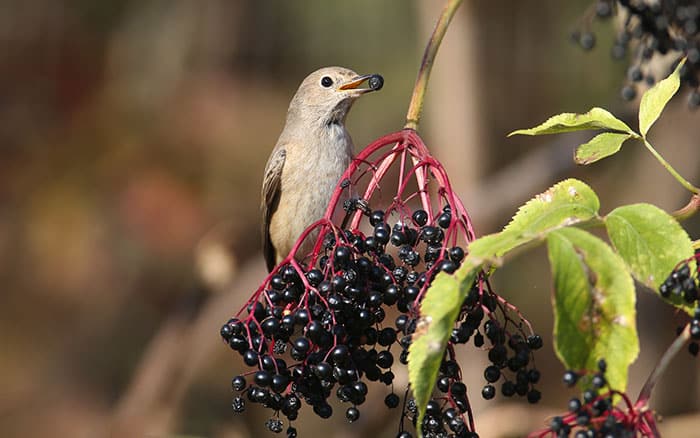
(376, 82)
(603, 9)
(508, 388)
(238, 383)
(376, 217)
(533, 375)
(695, 329)
(444, 220)
(492, 373)
(574, 405)
(323, 410)
(385, 359)
(250, 358)
(458, 389)
(533, 396)
(262, 378)
(456, 254)
(391, 400)
(589, 395)
(420, 217)
(598, 381)
(570, 378)
(488, 392)
(352, 414)
(534, 342)
(628, 92)
(587, 40)
(635, 74)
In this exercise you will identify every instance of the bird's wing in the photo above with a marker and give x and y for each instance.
(270, 200)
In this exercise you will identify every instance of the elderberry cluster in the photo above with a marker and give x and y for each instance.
(594, 414)
(444, 411)
(649, 29)
(317, 332)
(522, 377)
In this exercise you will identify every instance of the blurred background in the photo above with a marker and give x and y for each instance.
(133, 137)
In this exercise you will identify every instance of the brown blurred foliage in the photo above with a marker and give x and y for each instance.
(133, 135)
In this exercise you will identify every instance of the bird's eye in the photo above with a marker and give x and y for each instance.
(326, 81)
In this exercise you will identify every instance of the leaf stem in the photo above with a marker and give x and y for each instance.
(689, 210)
(415, 107)
(661, 366)
(670, 169)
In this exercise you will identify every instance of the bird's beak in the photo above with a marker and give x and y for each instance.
(375, 83)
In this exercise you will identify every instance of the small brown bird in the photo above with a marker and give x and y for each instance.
(311, 155)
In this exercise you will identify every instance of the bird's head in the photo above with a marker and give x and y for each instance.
(327, 94)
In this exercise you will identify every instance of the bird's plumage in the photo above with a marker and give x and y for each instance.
(312, 152)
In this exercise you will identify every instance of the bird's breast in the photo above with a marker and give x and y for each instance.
(309, 177)
(318, 174)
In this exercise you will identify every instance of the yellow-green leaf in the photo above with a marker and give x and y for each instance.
(594, 305)
(566, 203)
(601, 146)
(651, 242)
(655, 99)
(596, 118)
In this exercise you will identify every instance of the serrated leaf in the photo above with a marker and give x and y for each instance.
(655, 99)
(594, 305)
(601, 146)
(438, 311)
(651, 242)
(566, 203)
(596, 118)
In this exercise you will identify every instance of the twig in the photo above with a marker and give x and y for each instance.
(689, 210)
(415, 107)
(661, 366)
(671, 170)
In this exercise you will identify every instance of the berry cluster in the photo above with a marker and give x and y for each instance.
(594, 414)
(651, 28)
(523, 377)
(318, 326)
(683, 286)
(509, 354)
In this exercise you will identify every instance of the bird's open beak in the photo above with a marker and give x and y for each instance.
(375, 83)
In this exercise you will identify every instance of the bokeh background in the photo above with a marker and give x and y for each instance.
(133, 136)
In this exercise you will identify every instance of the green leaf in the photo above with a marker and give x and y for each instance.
(566, 203)
(651, 242)
(438, 312)
(596, 118)
(601, 146)
(655, 99)
(594, 299)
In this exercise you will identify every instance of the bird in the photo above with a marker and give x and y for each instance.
(310, 156)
